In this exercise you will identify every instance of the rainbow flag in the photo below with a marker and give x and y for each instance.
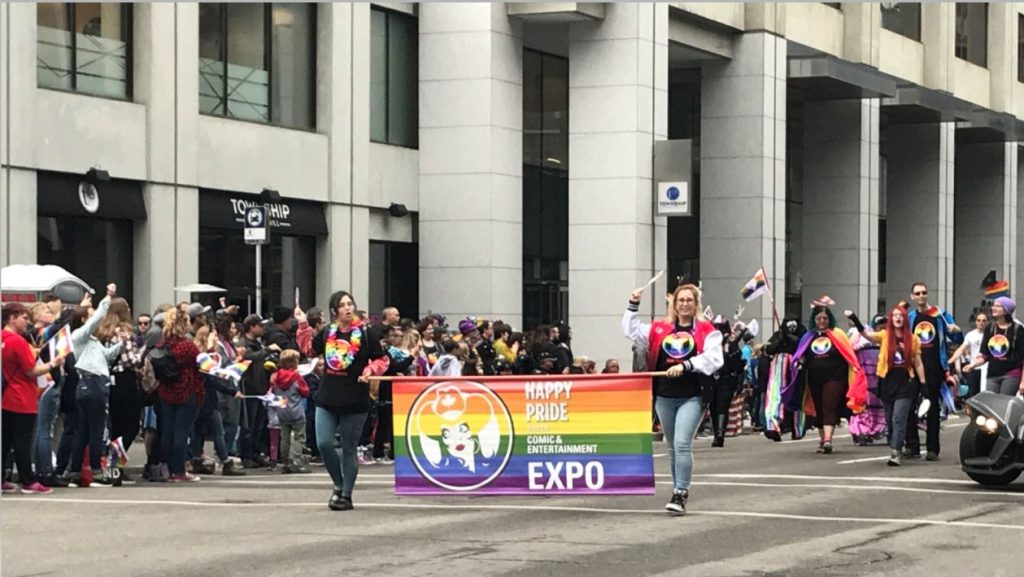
(997, 289)
(756, 286)
(117, 452)
(523, 435)
(60, 343)
(209, 363)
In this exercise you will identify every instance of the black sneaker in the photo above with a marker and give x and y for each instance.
(53, 481)
(826, 447)
(677, 506)
(931, 456)
(908, 454)
(339, 502)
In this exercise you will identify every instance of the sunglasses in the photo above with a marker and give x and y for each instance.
(920, 293)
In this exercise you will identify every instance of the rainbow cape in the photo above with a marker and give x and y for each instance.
(857, 390)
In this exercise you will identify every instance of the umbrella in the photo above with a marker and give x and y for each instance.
(200, 288)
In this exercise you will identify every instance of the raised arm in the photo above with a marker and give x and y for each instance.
(863, 330)
(634, 330)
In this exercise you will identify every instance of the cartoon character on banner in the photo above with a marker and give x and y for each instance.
(467, 427)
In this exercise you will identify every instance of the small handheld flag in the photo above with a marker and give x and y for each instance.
(60, 343)
(756, 286)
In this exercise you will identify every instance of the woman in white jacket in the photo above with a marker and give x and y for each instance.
(683, 346)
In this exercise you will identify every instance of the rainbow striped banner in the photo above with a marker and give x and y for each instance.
(524, 435)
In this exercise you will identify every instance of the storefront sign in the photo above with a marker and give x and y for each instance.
(530, 435)
(222, 209)
(256, 225)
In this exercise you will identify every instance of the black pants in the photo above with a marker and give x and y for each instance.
(67, 442)
(930, 391)
(828, 402)
(722, 393)
(253, 438)
(125, 408)
(17, 430)
(973, 383)
(91, 405)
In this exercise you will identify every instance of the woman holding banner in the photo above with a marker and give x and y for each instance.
(682, 347)
(343, 399)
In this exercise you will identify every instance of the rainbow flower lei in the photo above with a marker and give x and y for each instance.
(339, 354)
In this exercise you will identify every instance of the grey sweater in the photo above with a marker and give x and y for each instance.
(91, 356)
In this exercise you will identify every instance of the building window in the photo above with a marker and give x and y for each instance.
(394, 78)
(258, 62)
(903, 18)
(85, 48)
(972, 32)
(1020, 47)
(394, 278)
(545, 188)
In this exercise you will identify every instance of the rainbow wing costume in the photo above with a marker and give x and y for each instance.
(857, 381)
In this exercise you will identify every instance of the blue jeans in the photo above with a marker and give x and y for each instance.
(340, 462)
(897, 414)
(679, 420)
(209, 422)
(91, 406)
(176, 424)
(49, 406)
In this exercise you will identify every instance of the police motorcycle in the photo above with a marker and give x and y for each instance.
(992, 444)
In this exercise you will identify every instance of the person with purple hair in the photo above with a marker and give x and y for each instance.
(1002, 347)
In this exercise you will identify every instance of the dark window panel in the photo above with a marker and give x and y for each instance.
(394, 78)
(971, 42)
(85, 47)
(903, 19)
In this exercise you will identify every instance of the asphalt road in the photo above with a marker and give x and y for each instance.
(757, 508)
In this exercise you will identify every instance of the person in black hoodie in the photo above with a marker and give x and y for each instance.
(281, 332)
(563, 346)
(724, 382)
(783, 342)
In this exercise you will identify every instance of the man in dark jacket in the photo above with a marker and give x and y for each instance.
(280, 333)
(252, 436)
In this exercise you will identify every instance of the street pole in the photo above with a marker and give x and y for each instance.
(259, 277)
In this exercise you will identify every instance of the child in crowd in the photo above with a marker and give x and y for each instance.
(290, 389)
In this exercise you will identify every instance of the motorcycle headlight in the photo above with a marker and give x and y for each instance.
(980, 421)
(991, 425)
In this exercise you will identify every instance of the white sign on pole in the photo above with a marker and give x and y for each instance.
(673, 199)
(256, 225)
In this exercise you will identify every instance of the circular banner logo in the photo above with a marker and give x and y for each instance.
(998, 346)
(678, 345)
(925, 331)
(459, 435)
(821, 345)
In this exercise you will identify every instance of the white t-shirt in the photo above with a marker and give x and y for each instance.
(973, 339)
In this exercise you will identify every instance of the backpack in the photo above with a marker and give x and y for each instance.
(161, 366)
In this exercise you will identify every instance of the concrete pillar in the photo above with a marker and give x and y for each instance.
(840, 211)
(743, 173)
(919, 221)
(20, 216)
(618, 102)
(1017, 282)
(471, 161)
(986, 219)
(156, 249)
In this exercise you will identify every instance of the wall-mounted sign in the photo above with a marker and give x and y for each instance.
(673, 199)
(256, 225)
(221, 209)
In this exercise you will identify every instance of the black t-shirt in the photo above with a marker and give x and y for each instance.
(927, 329)
(676, 348)
(897, 383)
(340, 389)
(824, 363)
(998, 345)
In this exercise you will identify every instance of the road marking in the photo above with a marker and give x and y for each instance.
(833, 478)
(547, 508)
(864, 460)
(858, 488)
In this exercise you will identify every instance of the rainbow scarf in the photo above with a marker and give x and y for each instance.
(857, 391)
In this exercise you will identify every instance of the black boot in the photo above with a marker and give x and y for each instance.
(720, 424)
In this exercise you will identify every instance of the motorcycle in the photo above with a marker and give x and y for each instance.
(992, 445)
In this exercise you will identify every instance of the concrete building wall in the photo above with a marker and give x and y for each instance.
(622, 62)
(743, 171)
(470, 165)
(919, 215)
(840, 211)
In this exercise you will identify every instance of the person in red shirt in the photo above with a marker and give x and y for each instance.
(20, 399)
(180, 399)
